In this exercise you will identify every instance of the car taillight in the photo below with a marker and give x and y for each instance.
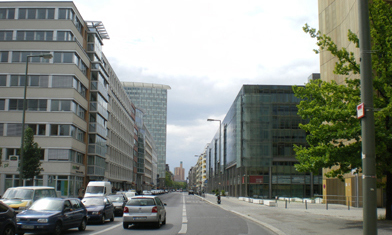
(154, 209)
(126, 210)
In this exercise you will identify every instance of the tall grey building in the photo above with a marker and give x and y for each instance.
(152, 98)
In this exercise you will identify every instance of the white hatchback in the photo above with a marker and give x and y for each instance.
(144, 209)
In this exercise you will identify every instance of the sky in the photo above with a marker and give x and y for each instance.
(205, 51)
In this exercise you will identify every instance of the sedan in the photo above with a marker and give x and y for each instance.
(7, 220)
(144, 209)
(99, 208)
(52, 215)
(119, 202)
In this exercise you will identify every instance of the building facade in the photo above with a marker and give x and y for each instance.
(252, 154)
(152, 98)
(179, 173)
(81, 116)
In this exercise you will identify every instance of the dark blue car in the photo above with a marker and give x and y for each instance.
(99, 208)
(52, 215)
(7, 220)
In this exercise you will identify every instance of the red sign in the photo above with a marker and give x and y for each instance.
(360, 111)
(256, 179)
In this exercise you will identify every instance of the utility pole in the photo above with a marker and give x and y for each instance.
(368, 132)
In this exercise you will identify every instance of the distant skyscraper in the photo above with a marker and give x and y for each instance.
(152, 99)
(179, 173)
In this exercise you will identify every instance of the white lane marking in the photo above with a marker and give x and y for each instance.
(105, 230)
(184, 225)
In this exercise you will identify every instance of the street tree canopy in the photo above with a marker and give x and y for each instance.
(31, 157)
(334, 132)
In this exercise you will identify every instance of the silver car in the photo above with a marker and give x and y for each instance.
(144, 209)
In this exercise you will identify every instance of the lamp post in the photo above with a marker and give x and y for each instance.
(220, 139)
(45, 56)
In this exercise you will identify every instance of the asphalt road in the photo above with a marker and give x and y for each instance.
(186, 214)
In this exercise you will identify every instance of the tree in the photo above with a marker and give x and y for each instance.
(31, 157)
(168, 180)
(333, 130)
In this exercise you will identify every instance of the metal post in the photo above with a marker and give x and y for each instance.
(368, 133)
(23, 125)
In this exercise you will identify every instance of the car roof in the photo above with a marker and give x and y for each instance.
(33, 187)
(144, 196)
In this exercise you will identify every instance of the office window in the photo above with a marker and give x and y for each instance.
(36, 13)
(38, 129)
(34, 80)
(5, 35)
(66, 14)
(31, 104)
(21, 56)
(2, 104)
(14, 129)
(34, 35)
(58, 154)
(4, 56)
(61, 105)
(7, 13)
(1, 129)
(63, 57)
(65, 36)
(10, 151)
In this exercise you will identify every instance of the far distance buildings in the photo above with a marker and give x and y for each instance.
(179, 173)
(152, 99)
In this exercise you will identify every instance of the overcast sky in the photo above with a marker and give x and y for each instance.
(205, 51)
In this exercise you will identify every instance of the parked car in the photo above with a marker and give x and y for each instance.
(21, 198)
(99, 208)
(52, 215)
(7, 220)
(191, 192)
(146, 192)
(119, 201)
(144, 209)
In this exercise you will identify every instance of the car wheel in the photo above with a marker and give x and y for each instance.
(158, 224)
(103, 219)
(164, 221)
(82, 225)
(112, 219)
(125, 225)
(9, 230)
(57, 229)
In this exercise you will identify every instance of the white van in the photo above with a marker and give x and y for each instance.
(98, 188)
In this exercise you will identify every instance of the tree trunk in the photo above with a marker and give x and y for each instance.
(388, 189)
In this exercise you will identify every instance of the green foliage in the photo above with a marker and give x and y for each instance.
(168, 180)
(31, 157)
(333, 130)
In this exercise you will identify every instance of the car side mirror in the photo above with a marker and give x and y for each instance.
(164, 204)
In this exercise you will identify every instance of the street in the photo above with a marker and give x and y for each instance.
(186, 214)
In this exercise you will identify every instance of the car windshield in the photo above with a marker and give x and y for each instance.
(116, 198)
(18, 193)
(94, 189)
(141, 202)
(47, 205)
(91, 201)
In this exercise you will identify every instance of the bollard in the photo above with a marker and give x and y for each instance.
(285, 204)
(326, 205)
(348, 204)
(306, 204)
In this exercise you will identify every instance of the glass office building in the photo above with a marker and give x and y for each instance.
(257, 138)
(152, 99)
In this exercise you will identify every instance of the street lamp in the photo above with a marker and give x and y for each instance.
(220, 139)
(45, 56)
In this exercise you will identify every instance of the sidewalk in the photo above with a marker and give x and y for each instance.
(297, 220)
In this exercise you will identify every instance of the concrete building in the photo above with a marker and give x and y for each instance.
(81, 116)
(252, 154)
(152, 98)
(179, 173)
(147, 158)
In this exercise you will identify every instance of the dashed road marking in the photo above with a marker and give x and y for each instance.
(184, 225)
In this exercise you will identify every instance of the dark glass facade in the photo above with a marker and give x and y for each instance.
(257, 138)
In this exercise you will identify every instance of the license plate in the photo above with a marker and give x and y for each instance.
(28, 226)
(137, 218)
